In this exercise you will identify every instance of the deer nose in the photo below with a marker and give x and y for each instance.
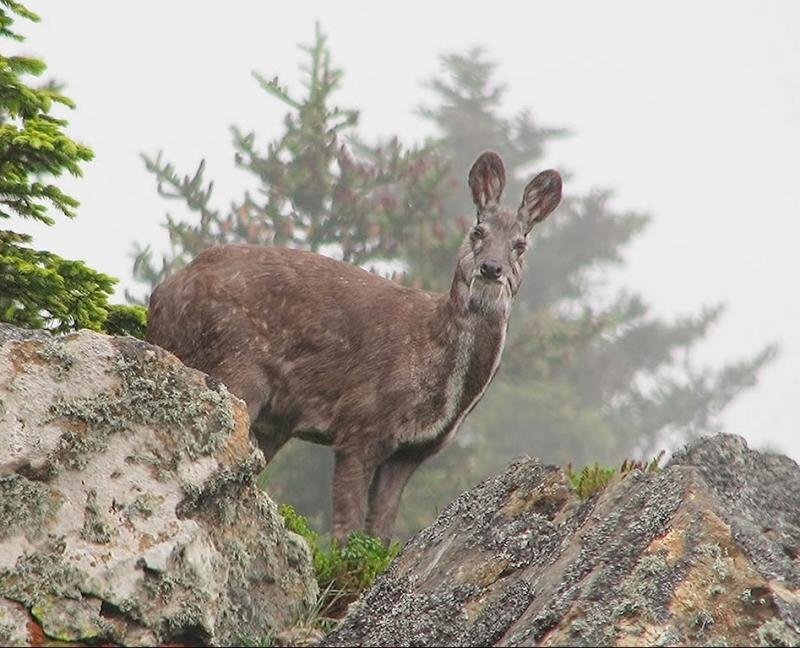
(491, 270)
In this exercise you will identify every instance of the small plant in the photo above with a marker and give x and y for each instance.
(590, 480)
(703, 620)
(593, 479)
(353, 567)
(343, 572)
(298, 524)
(252, 641)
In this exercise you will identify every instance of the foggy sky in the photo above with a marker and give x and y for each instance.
(689, 110)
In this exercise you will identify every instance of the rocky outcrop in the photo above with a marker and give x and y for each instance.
(704, 552)
(128, 510)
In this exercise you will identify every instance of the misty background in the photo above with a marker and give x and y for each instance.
(687, 112)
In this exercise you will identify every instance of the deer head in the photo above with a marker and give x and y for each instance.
(492, 256)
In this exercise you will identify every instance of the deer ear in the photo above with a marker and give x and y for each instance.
(540, 197)
(487, 178)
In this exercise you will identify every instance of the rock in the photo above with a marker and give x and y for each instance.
(128, 509)
(704, 552)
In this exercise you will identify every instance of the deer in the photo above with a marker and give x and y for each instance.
(327, 352)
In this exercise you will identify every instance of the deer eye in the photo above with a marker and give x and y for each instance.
(520, 245)
(478, 233)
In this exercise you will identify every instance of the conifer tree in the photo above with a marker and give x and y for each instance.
(582, 379)
(628, 374)
(321, 188)
(39, 289)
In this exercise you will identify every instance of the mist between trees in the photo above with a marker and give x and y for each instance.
(581, 380)
(585, 376)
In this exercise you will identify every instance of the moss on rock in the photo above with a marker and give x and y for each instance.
(70, 620)
(776, 632)
(143, 506)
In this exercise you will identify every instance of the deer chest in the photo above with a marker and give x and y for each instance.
(472, 366)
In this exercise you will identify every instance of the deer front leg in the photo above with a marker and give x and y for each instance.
(384, 496)
(271, 435)
(352, 475)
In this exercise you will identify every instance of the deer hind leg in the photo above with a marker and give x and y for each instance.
(353, 471)
(385, 491)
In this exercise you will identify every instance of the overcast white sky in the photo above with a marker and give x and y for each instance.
(689, 110)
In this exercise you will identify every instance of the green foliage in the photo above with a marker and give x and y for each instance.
(32, 144)
(590, 480)
(593, 479)
(354, 567)
(39, 289)
(298, 524)
(342, 571)
(6, 20)
(126, 320)
(246, 640)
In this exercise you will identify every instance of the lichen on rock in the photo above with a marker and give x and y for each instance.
(25, 505)
(96, 525)
(152, 390)
(703, 552)
(13, 624)
(129, 512)
(39, 576)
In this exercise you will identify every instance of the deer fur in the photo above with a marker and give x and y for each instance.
(325, 351)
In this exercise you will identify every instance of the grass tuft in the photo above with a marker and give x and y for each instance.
(593, 479)
(343, 572)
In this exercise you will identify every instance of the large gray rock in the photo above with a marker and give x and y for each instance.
(128, 510)
(705, 552)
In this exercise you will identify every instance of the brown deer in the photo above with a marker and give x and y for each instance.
(327, 352)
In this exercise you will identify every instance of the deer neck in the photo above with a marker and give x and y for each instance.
(473, 337)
